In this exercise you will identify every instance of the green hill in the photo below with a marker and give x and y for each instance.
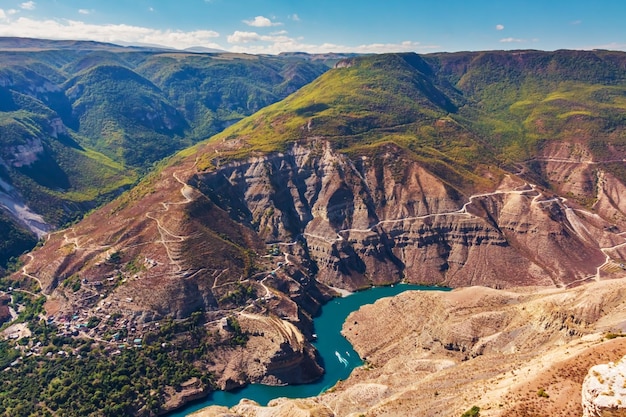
(79, 121)
(454, 111)
(124, 116)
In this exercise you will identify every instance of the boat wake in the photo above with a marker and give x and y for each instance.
(341, 359)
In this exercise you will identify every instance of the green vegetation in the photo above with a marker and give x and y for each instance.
(384, 94)
(472, 412)
(53, 374)
(241, 293)
(89, 121)
(15, 240)
(239, 338)
(72, 282)
(457, 114)
(218, 91)
(90, 383)
(542, 393)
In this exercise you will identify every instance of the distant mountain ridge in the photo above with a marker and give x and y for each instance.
(21, 44)
(79, 120)
(204, 50)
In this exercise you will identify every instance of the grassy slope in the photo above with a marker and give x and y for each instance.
(455, 112)
(522, 99)
(372, 101)
(124, 115)
(216, 91)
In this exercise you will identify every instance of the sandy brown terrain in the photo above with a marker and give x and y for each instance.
(511, 353)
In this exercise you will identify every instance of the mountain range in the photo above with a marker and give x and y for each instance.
(498, 169)
(80, 121)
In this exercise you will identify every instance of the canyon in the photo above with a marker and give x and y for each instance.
(385, 169)
(510, 352)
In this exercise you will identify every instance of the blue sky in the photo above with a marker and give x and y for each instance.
(273, 26)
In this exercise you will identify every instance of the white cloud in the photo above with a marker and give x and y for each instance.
(4, 15)
(499, 27)
(243, 37)
(295, 17)
(252, 42)
(84, 11)
(29, 5)
(238, 41)
(576, 22)
(261, 22)
(512, 40)
(613, 46)
(71, 29)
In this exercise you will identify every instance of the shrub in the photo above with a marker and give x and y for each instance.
(472, 412)
(542, 393)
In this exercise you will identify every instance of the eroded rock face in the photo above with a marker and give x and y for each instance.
(276, 354)
(5, 313)
(604, 390)
(27, 153)
(373, 220)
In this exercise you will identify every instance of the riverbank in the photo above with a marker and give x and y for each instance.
(337, 355)
(510, 353)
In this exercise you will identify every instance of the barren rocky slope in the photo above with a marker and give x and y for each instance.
(511, 353)
(339, 222)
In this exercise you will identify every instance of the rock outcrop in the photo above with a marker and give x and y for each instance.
(604, 390)
(276, 354)
(375, 220)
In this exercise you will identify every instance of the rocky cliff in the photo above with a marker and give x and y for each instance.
(375, 220)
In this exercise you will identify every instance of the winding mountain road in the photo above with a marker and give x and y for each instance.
(26, 274)
(166, 236)
(578, 227)
(462, 211)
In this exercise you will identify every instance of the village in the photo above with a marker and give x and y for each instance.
(92, 320)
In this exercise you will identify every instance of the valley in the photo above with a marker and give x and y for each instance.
(80, 122)
(400, 168)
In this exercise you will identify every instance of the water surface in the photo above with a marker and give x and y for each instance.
(337, 353)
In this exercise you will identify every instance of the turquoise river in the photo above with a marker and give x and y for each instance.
(339, 359)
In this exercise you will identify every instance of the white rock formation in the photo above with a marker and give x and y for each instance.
(604, 390)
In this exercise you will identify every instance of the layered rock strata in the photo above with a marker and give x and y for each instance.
(377, 220)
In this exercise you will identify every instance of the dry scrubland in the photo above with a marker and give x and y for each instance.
(513, 353)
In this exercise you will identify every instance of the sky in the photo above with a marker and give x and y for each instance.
(320, 26)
